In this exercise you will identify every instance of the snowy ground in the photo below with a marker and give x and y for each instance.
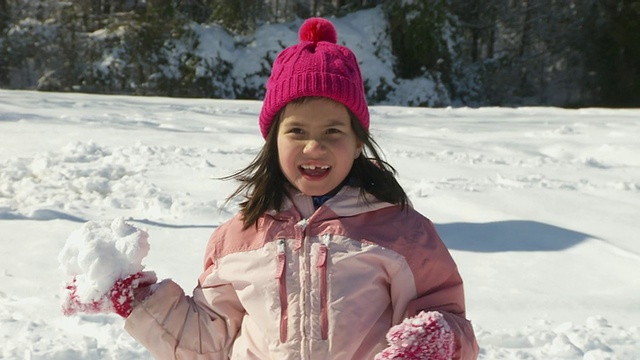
(539, 207)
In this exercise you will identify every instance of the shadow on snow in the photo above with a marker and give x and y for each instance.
(46, 215)
(512, 235)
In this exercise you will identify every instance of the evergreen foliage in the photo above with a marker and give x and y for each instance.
(616, 59)
(463, 52)
(417, 36)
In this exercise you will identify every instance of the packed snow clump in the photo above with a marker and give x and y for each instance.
(101, 252)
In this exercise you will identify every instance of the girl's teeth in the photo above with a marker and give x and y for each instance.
(313, 167)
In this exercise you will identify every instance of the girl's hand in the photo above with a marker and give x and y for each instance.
(425, 336)
(119, 299)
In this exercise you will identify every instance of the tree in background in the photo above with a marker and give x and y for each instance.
(4, 15)
(424, 43)
(416, 29)
(529, 52)
(517, 52)
(27, 43)
(238, 16)
(69, 42)
(616, 59)
(5, 18)
(244, 16)
(144, 40)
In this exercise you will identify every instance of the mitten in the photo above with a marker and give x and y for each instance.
(425, 336)
(119, 299)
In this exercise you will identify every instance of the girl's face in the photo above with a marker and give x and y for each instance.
(316, 145)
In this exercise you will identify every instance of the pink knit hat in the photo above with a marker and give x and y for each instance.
(316, 66)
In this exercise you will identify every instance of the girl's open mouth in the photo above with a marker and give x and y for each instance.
(314, 171)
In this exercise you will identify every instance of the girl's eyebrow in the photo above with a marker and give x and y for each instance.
(328, 124)
(337, 123)
(293, 123)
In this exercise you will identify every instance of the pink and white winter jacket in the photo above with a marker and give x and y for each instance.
(308, 284)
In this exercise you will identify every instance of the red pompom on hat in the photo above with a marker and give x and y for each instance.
(317, 66)
(318, 29)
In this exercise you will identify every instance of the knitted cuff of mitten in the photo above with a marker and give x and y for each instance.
(425, 336)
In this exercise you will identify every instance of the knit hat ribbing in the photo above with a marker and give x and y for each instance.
(316, 66)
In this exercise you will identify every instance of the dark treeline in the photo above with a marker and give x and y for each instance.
(570, 53)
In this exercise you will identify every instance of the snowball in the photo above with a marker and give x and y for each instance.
(100, 253)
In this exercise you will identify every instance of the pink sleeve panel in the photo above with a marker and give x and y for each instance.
(438, 283)
(172, 325)
(440, 288)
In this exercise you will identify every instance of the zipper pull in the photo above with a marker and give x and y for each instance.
(322, 256)
(325, 240)
(299, 228)
(282, 257)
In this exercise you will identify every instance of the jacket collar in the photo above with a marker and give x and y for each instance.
(347, 202)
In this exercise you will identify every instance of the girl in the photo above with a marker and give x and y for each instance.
(326, 259)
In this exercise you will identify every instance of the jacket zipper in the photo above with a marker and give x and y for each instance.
(322, 266)
(282, 289)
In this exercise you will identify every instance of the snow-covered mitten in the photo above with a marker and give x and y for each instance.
(119, 299)
(121, 294)
(425, 336)
(104, 258)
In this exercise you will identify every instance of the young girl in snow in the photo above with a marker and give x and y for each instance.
(326, 259)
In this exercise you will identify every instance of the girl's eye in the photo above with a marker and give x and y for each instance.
(295, 131)
(333, 131)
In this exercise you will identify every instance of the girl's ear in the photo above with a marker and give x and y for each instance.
(358, 149)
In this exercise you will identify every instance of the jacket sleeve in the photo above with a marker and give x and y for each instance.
(440, 288)
(465, 347)
(172, 325)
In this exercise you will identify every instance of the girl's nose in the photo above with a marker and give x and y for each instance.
(313, 146)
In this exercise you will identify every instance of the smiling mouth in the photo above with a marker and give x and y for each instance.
(314, 171)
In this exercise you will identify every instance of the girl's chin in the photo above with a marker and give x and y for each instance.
(314, 190)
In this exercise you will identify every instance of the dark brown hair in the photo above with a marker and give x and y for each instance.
(264, 185)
